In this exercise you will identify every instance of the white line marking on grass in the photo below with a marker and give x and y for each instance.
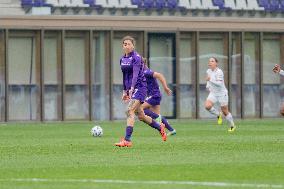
(193, 183)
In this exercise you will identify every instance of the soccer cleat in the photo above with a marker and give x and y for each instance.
(123, 143)
(173, 132)
(231, 129)
(219, 119)
(163, 132)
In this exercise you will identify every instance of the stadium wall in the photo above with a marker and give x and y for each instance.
(60, 61)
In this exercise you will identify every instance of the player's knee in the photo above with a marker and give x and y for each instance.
(141, 116)
(208, 106)
(225, 113)
(136, 113)
(282, 111)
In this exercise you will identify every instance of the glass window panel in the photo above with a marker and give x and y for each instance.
(23, 88)
(251, 75)
(101, 106)
(118, 106)
(187, 76)
(2, 76)
(236, 75)
(210, 45)
(162, 59)
(117, 81)
(76, 88)
(271, 82)
(52, 92)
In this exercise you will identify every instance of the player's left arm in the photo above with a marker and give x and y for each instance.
(162, 79)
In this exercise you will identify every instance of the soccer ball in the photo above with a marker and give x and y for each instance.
(97, 131)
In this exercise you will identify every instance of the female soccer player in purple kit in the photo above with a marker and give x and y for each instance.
(134, 91)
(151, 106)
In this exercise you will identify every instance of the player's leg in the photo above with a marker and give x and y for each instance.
(141, 95)
(147, 119)
(149, 103)
(154, 115)
(209, 106)
(145, 106)
(282, 109)
(155, 102)
(155, 112)
(130, 114)
(150, 121)
(225, 110)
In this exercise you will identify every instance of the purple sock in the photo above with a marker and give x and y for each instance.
(155, 116)
(151, 114)
(167, 125)
(155, 125)
(128, 133)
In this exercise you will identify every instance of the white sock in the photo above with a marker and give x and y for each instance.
(229, 118)
(213, 111)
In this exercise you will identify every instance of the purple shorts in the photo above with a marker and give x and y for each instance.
(139, 94)
(153, 100)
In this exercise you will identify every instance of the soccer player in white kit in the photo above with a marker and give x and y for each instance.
(277, 69)
(218, 93)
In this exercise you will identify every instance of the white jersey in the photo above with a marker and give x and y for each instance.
(216, 83)
(281, 72)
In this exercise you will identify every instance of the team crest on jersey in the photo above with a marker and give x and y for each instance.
(125, 63)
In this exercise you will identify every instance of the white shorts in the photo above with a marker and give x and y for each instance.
(222, 100)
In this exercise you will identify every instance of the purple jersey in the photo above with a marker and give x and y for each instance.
(153, 88)
(132, 69)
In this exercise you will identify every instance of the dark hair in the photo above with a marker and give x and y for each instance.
(129, 38)
(216, 60)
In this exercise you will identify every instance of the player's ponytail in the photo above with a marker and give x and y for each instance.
(216, 60)
(145, 61)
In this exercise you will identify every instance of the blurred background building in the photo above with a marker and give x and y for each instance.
(59, 59)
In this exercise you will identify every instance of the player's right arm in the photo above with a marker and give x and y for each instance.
(162, 79)
(124, 96)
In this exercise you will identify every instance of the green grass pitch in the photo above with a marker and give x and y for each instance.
(201, 155)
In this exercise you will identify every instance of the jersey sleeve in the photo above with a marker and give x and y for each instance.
(148, 73)
(281, 72)
(219, 76)
(136, 69)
